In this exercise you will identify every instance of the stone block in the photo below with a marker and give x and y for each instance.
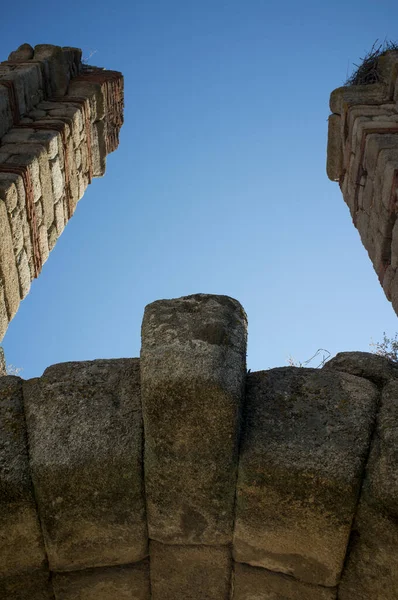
(6, 118)
(193, 369)
(21, 544)
(377, 369)
(3, 366)
(23, 273)
(16, 223)
(37, 114)
(23, 53)
(371, 569)
(52, 236)
(3, 312)
(58, 182)
(35, 155)
(17, 77)
(59, 73)
(43, 243)
(194, 572)
(93, 92)
(253, 583)
(8, 191)
(33, 585)
(17, 136)
(374, 143)
(60, 220)
(50, 139)
(98, 148)
(303, 451)
(334, 150)
(343, 97)
(129, 582)
(33, 85)
(85, 436)
(73, 177)
(8, 267)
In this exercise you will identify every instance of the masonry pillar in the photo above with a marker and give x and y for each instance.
(363, 157)
(193, 368)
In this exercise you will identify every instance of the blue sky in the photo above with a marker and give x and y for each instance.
(219, 183)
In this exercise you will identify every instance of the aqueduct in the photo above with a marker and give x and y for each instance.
(178, 475)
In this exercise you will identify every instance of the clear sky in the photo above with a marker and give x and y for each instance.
(219, 183)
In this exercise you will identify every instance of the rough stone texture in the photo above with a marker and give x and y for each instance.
(363, 158)
(372, 567)
(3, 368)
(21, 544)
(114, 583)
(377, 369)
(23, 53)
(3, 312)
(303, 451)
(335, 151)
(194, 572)
(85, 437)
(193, 367)
(8, 269)
(27, 586)
(253, 583)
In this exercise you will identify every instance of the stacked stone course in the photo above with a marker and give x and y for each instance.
(178, 475)
(58, 121)
(363, 158)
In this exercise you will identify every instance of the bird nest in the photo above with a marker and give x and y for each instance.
(368, 71)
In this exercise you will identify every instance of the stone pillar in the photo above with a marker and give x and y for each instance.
(193, 368)
(58, 121)
(363, 157)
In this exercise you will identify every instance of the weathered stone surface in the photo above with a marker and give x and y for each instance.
(334, 150)
(23, 273)
(371, 570)
(8, 269)
(194, 572)
(3, 368)
(253, 583)
(59, 75)
(112, 583)
(24, 52)
(193, 367)
(345, 96)
(33, 585)
(21, 544)
(98, 148)
(377, 369)
(8, 191)
(304, 446)
(85, 436)
(3, 312)
(94, 92)
(6, 118)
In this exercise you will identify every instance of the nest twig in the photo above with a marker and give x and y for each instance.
(368, 71)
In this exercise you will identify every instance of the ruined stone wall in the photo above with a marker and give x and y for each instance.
(180, 475)
(363, 158)
(58, 121)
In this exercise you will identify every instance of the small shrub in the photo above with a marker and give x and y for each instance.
(387, 348)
